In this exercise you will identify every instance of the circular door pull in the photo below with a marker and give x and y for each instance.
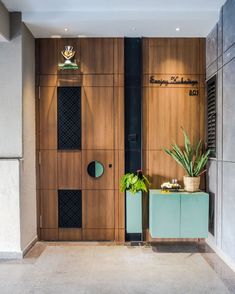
(95, 169)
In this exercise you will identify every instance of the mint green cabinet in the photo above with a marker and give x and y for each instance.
(164, 223)
(178, 215)
(194, 215)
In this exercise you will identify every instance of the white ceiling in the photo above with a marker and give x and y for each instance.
(131, 18)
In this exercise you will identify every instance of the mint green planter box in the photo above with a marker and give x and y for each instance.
(178, 215)
(133, 212)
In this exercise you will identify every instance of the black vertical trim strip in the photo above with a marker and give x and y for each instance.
(133, 110)
(133, 103)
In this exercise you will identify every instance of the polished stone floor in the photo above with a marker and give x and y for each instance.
(109, 269)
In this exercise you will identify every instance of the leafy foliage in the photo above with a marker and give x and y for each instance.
(134, 182)
(193, 160)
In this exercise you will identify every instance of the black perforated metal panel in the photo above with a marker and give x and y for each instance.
(69, 118)
(211, 116)
(70, 208)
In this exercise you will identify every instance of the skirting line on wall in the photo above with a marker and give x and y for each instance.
(18, 254)
(30, 245)
(221, 254)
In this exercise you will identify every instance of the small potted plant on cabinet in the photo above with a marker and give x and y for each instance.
(192, 159)
(134, 184)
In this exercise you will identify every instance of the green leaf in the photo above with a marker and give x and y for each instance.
(191, 159)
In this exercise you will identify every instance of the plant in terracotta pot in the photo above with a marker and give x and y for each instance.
(192, 159)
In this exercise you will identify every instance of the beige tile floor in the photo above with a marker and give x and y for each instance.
(108, 269)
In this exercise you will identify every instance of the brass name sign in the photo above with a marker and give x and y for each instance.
(174, 80)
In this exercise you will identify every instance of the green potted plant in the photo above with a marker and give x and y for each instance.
(192, 159)
(134, 184)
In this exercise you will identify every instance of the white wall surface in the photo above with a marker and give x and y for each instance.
(11, 92)
(17, 141)
(9, 208)
(28, 168)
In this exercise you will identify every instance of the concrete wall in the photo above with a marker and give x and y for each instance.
(4, 23)
(221, 178)
(17, 137)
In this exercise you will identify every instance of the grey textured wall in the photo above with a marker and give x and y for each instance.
(4, 23)
(221, 176)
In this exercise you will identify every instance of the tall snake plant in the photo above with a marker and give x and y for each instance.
(192, 159)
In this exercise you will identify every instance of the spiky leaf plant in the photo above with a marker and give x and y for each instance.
(134, 182)
(192, 159)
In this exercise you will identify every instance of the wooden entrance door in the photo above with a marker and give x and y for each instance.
(72, 204)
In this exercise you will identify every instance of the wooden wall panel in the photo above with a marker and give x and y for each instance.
(119, 56)
(162, 168)
(173, 56)
(98, 234)
(47, 61)
(48, 118)
(97, 118)
(169, 110)
(70, 234)
(49, 235)
(97, 55)
(98, 209)
(49, 209)
(69, 170)
(48, 169)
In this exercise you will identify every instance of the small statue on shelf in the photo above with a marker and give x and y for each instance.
(174, 186)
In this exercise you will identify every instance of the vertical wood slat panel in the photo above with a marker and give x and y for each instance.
(48, 169)
(48, 118)
(97, 118)
(98, 209)
(97, 55)
(47, 56)
(49, 209)
(69, 170)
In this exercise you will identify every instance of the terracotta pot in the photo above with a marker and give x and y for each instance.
(191, 184)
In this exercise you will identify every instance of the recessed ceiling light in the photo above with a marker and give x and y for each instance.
(65, 29)
(177, 29)
(55, 36)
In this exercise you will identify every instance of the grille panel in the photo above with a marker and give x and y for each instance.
(69, 118)
(211, 116)
(70, 208)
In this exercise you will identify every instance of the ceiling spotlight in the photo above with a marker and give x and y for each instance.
(177, 29)
(66, 29)
(55, 36)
